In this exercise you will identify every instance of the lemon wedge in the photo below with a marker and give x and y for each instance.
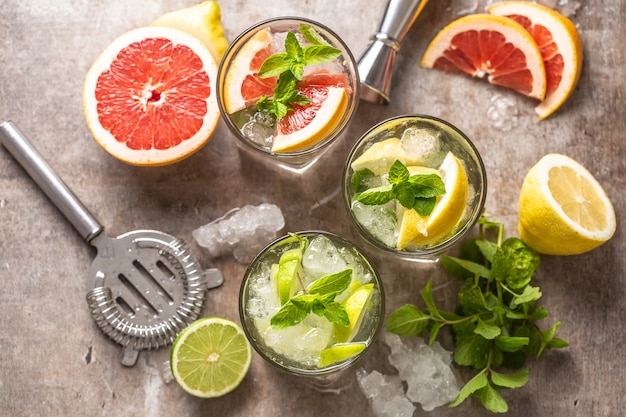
(202, 21)
(563, 210)
(418, 230)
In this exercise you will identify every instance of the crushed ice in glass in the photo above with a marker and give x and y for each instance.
(426, 371)
(242, 232)
(322, 258)
(378, 221)
(259, 129)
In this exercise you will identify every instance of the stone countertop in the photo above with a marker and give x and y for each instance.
(55, 360)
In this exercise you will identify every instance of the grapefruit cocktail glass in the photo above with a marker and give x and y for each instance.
(307, 268)
(330, 88)
(410, 164)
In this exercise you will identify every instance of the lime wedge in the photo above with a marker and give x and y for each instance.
(339, 352)
(289, 266)
(210, 357)
(355, 307)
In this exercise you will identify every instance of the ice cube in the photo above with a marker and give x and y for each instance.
(378, 221)
(385, 394)
(241, 232)
(503, 112)
(421, 145)
(426, 370)
(259, 129)
(322, 257)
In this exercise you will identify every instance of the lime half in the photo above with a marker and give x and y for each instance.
(210, 357)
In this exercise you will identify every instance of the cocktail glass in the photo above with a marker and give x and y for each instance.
(299, 349)
(297, 140)
(425, 145)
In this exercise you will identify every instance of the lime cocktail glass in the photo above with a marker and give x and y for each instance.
(315, 347)
(425, 145)
(297, 140)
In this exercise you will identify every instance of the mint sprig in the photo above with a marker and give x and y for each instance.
(417, 191)
(289, 67)
(495, 325)
(318, 298)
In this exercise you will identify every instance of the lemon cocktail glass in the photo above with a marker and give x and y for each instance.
(414, 185)
(319, 274)
(288, 116)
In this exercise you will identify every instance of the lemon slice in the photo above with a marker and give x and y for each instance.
(210, 357)
(355, 307)
(340, 352)
(202, 21)
(326, 118)
(417, 230)
(381, 155)
(563, 208)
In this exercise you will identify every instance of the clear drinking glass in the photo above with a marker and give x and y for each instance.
(425, 145)
(298, 139)
(298, 350)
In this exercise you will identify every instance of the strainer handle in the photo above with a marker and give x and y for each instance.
(18, 145)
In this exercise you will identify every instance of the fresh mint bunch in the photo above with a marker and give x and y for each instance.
(417, 191)
(289, 67)
(319, 298)
(495, 325)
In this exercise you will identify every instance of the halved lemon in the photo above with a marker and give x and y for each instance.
(494, 46)
(563, 209)
(560, 46)
(310, 124)
(418, 230)
(202, 21)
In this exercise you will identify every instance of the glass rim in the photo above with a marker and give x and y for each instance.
(353, 98)
(332, 368)
(433, 251)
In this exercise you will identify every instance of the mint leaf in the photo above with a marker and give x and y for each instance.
(527, 296)
(274, 65)
(398, 173)
(425, 206)
(478, 382)
(427, 185)
(516, 380)
(511, 343)
(427, 296)
(311, 35)
(318, 54)
(407, 320)
(487, 249)
(471, 299)
(487, 330)
(404, 193)
(515, 263)
(336, 313)
(546, 338)
(472, 351)
(288, 315)
(359, 180)
(332, 284)
(492, 400)
(473, 267)
(293, 48)
(376, 196)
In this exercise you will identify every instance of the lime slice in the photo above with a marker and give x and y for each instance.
(210, 357)
(289, 266)
(339, 352)
(355, 307)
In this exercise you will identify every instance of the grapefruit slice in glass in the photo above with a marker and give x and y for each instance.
(560, 46)
(494, 46)
(149, 98)
(243, 86)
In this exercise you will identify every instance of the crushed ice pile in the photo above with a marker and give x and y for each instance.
(426, 370)
(242, 232)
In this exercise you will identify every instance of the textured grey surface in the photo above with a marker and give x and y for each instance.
(54, 359)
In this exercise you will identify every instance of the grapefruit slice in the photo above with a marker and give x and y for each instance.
(560, 46)
(307, 125)
(493, 46)
(243, 86)
(149, 98)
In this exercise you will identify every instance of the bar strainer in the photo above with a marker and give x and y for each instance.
(146, 285)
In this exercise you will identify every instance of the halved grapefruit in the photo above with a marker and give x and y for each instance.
(559, 43)
(493, 46)
(149, 98)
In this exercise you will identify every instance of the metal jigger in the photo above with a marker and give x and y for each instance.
(376, 63)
